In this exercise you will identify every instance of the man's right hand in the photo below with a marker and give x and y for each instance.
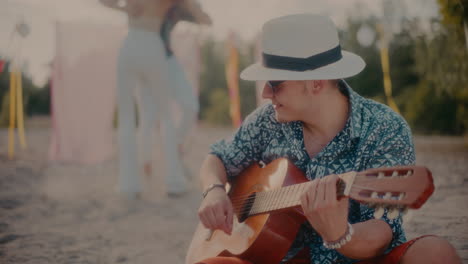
(216, 211)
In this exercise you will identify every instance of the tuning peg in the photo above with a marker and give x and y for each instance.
(407, 215)
(374, 195)
(395, 174)
(380, 175)
(387, 196)
(409, 173)
(401, 196)
(393, 213)
(379, 212)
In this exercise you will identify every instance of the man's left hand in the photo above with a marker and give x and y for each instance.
(327, 215)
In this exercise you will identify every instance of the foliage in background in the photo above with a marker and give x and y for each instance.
(214, 101)
(454, 12)
(369, 82)
(442, 63)
(39, 101)
(36, 100)
(440, 101)
(428, 68)
(428, 72)
(214, 97)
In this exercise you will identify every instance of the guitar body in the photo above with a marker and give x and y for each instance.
(267, 213)
(263, 238)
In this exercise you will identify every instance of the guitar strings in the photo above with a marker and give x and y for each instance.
(247, 202)
(361, 178)
(240, 203)
(286, 188)
(258, 198)
(246, 196)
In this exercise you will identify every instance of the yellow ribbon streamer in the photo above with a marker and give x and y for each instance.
(11, 129)
(20, 114)
(16, 113)
(385, 61)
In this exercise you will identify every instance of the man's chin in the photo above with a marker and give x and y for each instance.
(280, 119)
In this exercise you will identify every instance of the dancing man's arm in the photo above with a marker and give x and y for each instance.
(131, 7)
(113, 4)
(191, 11)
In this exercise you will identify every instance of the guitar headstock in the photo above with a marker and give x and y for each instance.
(395, 188)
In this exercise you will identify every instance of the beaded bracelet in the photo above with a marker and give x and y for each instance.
(342, 240)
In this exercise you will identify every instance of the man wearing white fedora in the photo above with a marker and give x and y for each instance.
(325, 128)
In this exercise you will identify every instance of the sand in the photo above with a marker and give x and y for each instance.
(67, 213)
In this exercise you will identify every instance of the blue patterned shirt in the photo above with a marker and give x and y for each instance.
(374, 136)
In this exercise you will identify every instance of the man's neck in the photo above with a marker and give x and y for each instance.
(329, 117)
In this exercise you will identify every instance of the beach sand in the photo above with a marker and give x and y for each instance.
(67, 213)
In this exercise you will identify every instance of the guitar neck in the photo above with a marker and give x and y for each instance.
(287, 197)
(404, 186)
(278, 199)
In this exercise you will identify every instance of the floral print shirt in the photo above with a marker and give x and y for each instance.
(374, 136)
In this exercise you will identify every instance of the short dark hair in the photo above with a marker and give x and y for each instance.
(341, 86)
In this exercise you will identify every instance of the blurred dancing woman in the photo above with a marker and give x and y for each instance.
(182, 90)
(142, 63)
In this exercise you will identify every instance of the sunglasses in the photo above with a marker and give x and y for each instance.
(274, 85)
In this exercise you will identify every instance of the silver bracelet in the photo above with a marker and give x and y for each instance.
(211, 187)
(342, 240)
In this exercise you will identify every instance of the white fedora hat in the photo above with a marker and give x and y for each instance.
(302, 47)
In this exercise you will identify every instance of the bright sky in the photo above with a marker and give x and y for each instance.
(244, 16)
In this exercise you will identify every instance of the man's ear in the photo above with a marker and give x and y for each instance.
(316, 86)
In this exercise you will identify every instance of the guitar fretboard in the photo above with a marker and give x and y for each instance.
(282, 198)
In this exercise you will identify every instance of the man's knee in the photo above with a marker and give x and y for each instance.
(431, 249)
(224, 260)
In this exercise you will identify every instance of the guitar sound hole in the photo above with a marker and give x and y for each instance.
(246, 208)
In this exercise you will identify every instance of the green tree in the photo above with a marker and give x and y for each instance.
(402, 60)
(369, 82)
(36, 100)
(442, 62)
(247, 88)
(428, 72)
(218, 113)
(4, 83)
(454, 12)
(39, 101)
(212, 78)
(214, 97)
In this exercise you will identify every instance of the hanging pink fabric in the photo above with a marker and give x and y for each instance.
(2, 65)
(83, 92)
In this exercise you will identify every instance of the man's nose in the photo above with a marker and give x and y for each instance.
(267, 92)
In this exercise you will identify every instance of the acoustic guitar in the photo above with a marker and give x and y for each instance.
(267, 212)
